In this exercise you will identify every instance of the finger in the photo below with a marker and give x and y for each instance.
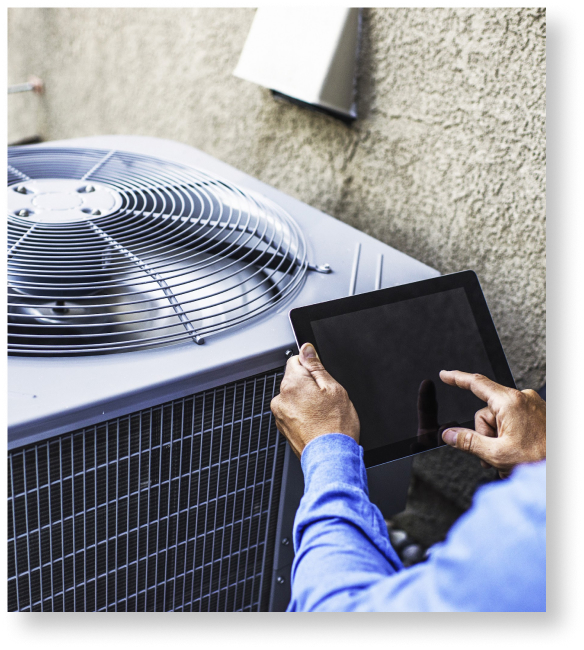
(310, 361)
(427, 406)
(448, 425)
(489, 391)
(486, 423)
(472, 442)
(295, 371)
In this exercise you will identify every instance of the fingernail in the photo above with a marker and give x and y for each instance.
(308, 351)
(449, 437)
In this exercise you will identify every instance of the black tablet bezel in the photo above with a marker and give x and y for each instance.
(301, 320)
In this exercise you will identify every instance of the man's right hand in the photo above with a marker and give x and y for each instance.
(510, 430)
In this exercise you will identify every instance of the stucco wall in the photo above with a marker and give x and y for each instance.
(446, 161)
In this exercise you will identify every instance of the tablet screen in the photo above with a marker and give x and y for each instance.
(388, 358)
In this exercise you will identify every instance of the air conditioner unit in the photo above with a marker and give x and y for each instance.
(149, 286)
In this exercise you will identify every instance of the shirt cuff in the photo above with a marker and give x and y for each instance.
(333, 458)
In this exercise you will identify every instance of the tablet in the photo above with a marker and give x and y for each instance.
(387, 348)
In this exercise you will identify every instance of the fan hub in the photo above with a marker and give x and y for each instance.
(59, 200)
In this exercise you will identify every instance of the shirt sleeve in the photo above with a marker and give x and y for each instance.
(340, 537)
(494, 558)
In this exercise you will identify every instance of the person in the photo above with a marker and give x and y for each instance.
(494, 557)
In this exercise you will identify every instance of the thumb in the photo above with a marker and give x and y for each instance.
(309, 359)
(468, 440)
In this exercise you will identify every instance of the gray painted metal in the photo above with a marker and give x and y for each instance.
(308, 54)
(290, 495)
(47, 396)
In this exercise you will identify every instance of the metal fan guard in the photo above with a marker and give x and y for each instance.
(112, 251)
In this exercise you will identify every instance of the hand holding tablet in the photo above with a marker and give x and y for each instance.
(387, 347)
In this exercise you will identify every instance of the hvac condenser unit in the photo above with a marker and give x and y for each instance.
(148, 331)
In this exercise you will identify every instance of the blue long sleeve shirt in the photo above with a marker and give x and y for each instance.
(494, 558)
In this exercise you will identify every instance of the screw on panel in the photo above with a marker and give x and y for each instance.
(89, 188)
(20, 189)
(320, 268)
(60, 307)
(23, 213)
(285, 541)
(96, 212)
(280, 580)
(289, 353)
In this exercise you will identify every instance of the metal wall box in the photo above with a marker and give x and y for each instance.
(307, 54)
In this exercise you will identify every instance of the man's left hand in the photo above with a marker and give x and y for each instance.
(311, 403)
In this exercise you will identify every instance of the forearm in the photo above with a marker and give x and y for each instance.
(340, 537)
(493, 559)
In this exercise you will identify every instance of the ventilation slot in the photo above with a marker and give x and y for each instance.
(172, 508)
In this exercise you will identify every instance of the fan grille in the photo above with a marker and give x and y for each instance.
(111, 251)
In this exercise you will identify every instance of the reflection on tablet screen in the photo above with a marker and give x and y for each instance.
(388, 358)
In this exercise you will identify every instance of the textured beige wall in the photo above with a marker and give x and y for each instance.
(446, 163)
